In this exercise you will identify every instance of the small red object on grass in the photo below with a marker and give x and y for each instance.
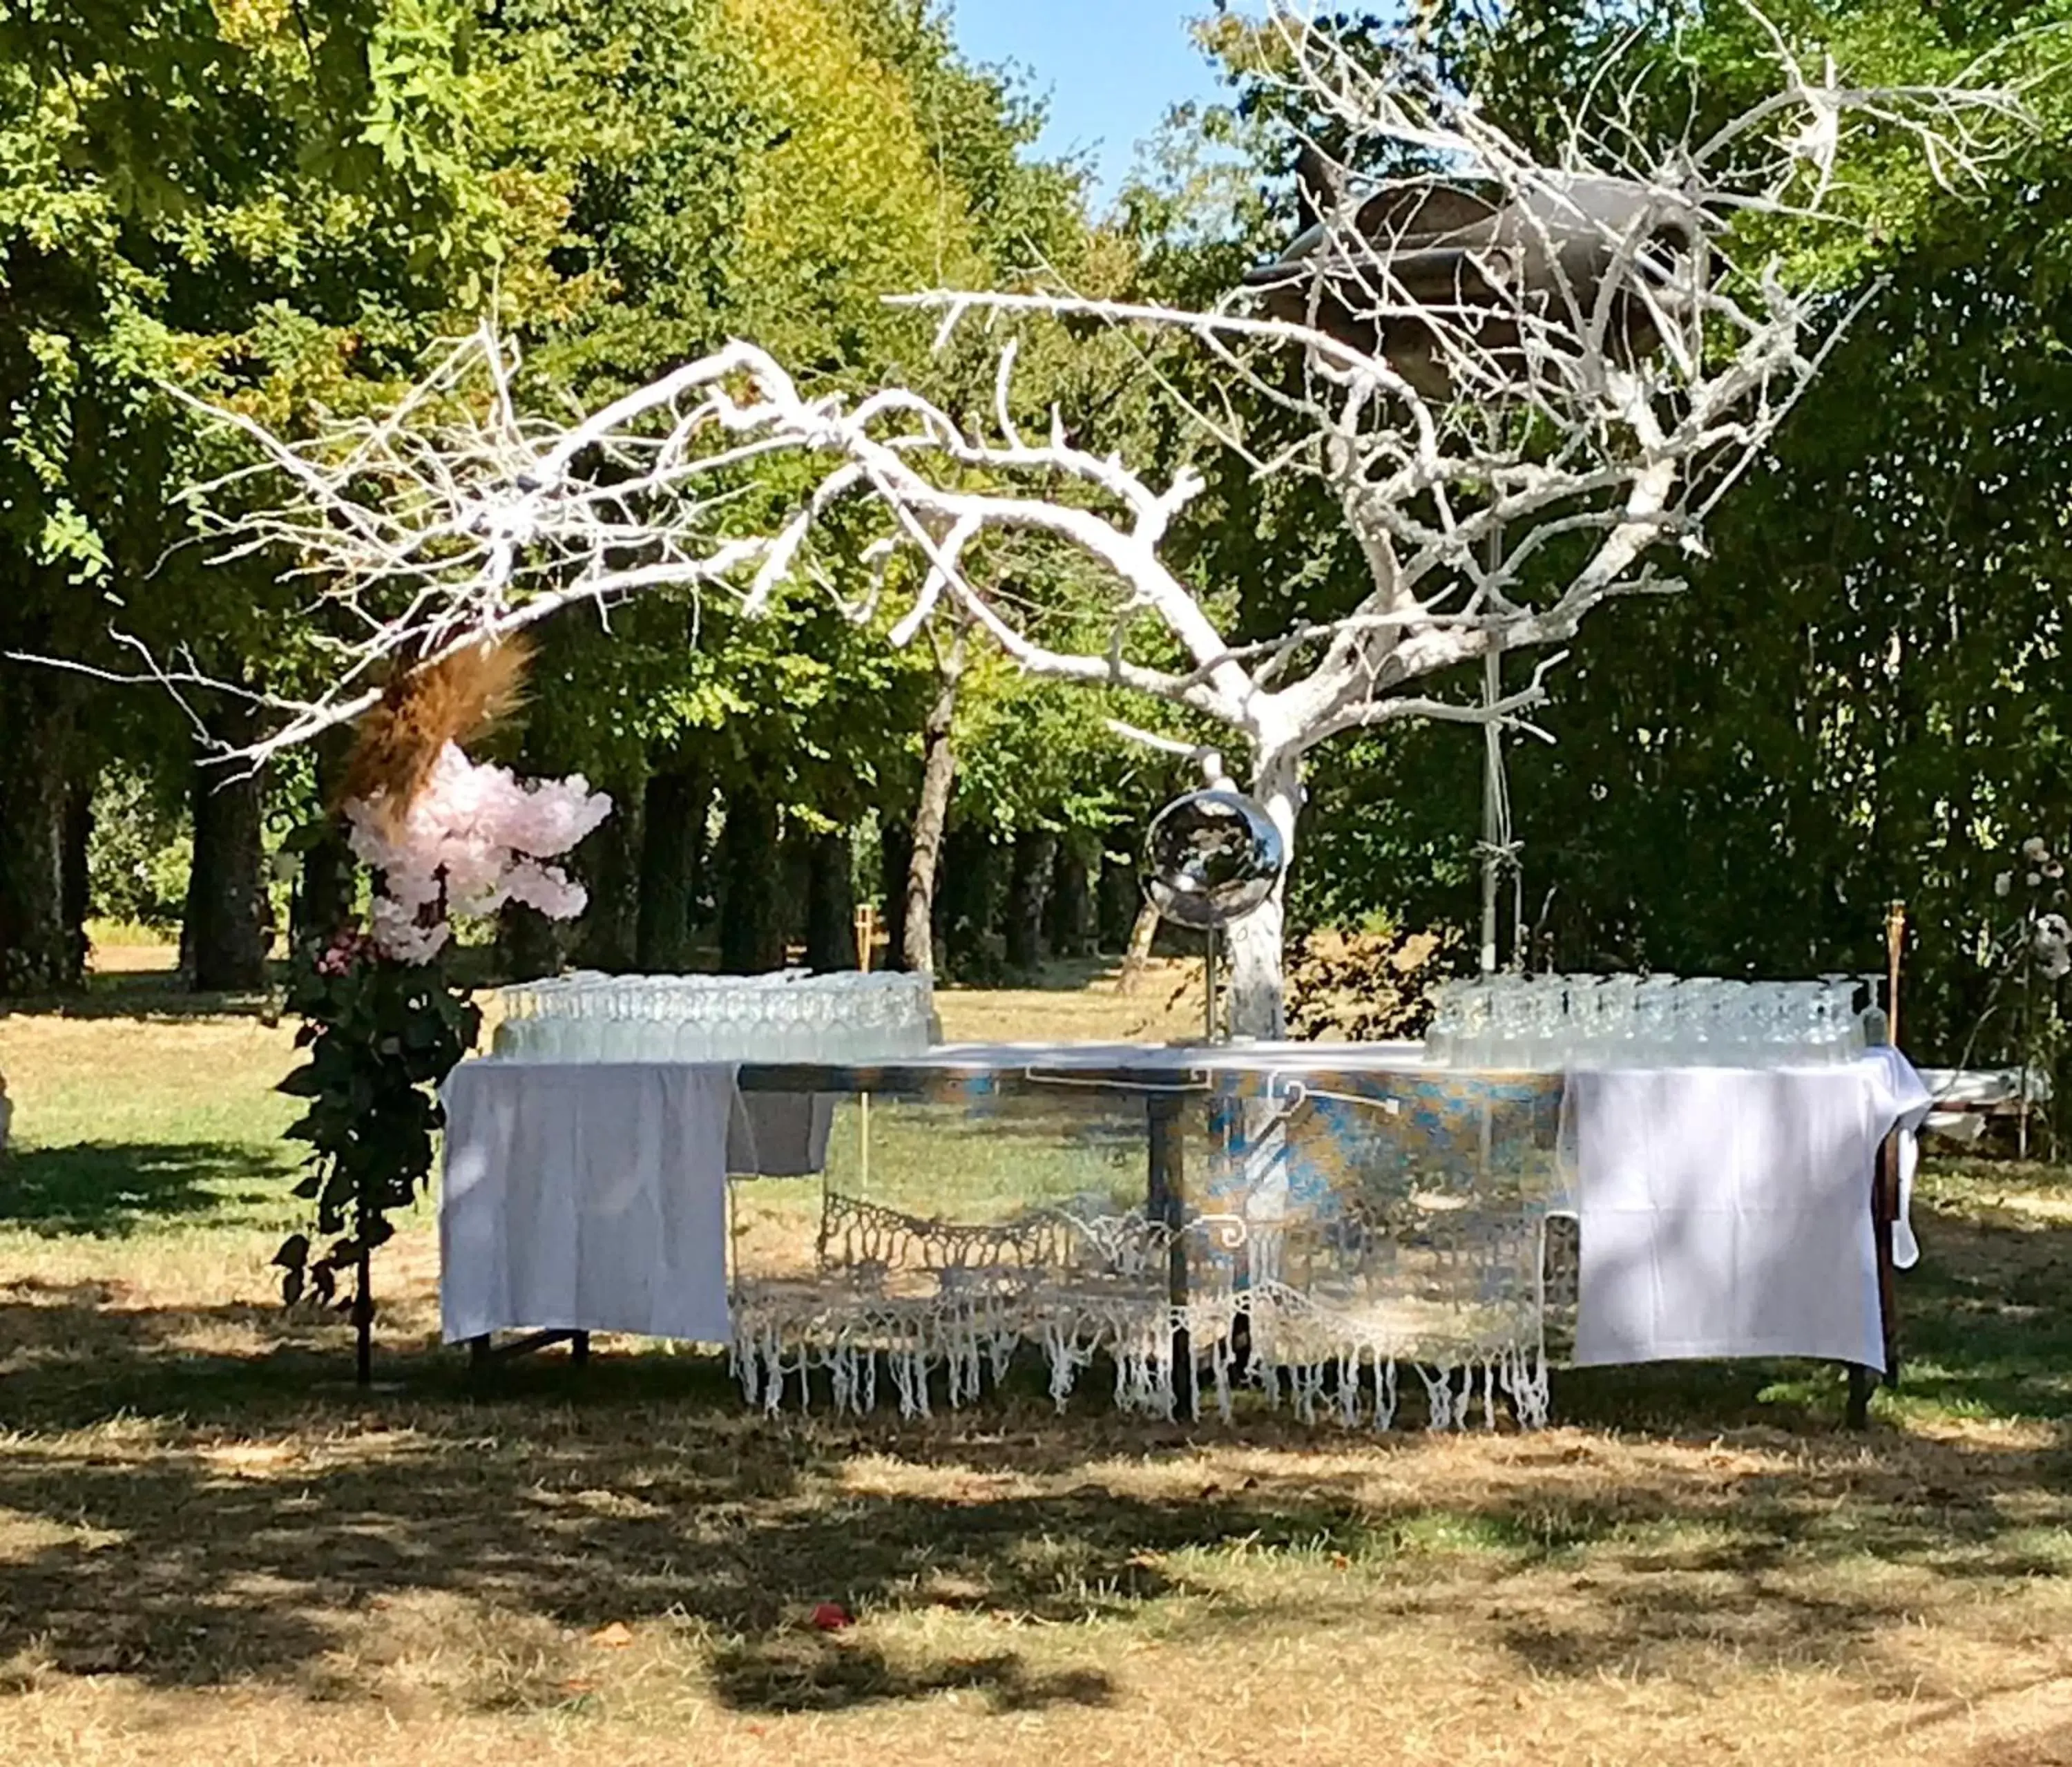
(831, 1616)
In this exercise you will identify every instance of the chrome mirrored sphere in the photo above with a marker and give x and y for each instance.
(1214, 857)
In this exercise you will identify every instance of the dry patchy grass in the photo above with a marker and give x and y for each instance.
(212, 1549)
(1085, 1003)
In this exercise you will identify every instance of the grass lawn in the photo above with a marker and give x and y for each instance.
(213, 1549)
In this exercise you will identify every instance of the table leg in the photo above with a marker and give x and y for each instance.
(1884, 1211)
(1885, 1214)
(1861, 1380)
(1166, 1199)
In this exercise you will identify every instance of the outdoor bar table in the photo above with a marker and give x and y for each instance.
(571, 1187)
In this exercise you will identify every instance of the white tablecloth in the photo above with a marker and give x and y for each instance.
(587, 1198)
(1725, 1212)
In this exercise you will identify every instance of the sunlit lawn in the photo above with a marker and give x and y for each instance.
(213, 1549)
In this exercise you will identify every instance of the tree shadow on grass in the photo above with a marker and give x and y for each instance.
(108, 1190)
(191, 1519)
(1674, 1398)
(802, 1672)
(258, 1507)
(196, 1558)
(154, 995)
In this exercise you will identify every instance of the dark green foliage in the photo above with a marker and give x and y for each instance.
(139, 851)
(381, 1036)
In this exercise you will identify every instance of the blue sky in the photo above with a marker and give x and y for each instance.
(1110, 68)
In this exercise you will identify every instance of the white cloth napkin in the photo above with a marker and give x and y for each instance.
(1726, 1211)
(585, 1197)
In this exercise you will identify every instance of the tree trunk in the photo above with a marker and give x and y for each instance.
(673, 823)
(75, 876)
(896, 852)
(830, 903)
(795, 878)
(528, 944)
(1121, 899)
(970, 947)
(1257, 1005)
(1071, 901)
(752, 917)
(1138, 952)
(324, 885)
(229, 921)
(38, 953)
(938, 777)
(608, 862)
(1029, 896)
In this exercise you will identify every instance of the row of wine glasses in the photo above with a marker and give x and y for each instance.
(790, 1016)
(1543, 1022)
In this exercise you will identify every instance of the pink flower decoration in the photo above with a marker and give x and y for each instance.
(483, 834)
(348, 947)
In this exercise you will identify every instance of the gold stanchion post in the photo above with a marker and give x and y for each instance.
(1884, 1195)
(866, 934)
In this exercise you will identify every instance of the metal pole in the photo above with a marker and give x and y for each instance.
(1209, 985)
(1492, 793)
(866, 929)
(1166, 1203)
(1493, 812)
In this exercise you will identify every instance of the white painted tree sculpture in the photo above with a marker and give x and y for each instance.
(1483, 356)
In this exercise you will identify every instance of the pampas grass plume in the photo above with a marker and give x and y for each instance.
(456, 700)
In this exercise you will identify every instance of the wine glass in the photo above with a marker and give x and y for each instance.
(1655, 1017)
(1591, 1006)
(1471, 1047)
(1547, 1012)
(1443, 1032)
(1510, 1024)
